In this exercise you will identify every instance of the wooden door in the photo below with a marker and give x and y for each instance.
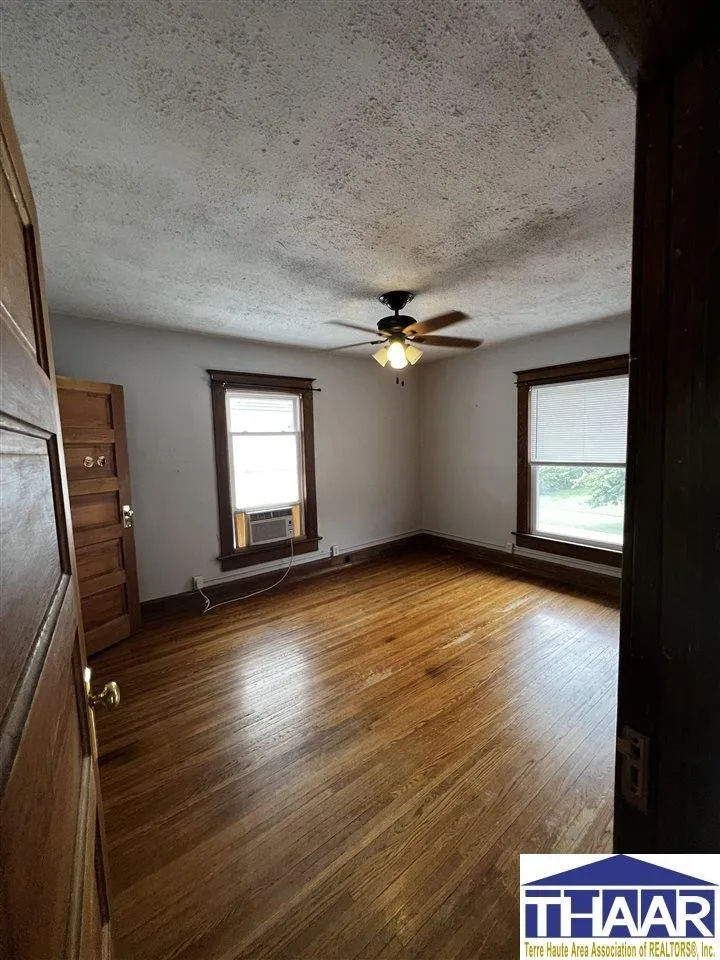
(669, 633)
(93, 427)
(54, 900)
(667, 797)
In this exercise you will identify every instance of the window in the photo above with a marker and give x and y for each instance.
(265, 449)
(572, 426)
(265, 464)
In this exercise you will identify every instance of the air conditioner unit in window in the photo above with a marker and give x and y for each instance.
(270, 525)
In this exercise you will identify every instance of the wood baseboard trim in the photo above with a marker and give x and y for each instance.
(190, 602)
(590, 580)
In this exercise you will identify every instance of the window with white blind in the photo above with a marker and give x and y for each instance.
(265, 466)
(571, 453)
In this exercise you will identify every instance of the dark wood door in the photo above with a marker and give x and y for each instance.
(93, 427)
(668, 773)
(54, 902)
(670, 638)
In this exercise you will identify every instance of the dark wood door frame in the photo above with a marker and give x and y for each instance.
(669, 639)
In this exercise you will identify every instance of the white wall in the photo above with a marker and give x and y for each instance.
(438, 454)
(469, 431)
(367, 441)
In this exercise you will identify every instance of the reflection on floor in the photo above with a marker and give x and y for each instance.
(350, 767)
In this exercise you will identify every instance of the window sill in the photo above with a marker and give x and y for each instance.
(566, 548)
(261, 553)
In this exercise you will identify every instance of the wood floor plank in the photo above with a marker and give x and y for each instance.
(349, 768)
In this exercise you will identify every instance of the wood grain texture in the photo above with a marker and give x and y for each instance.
(93, 421)
(45, 739)
(516, 563)
(30, 580)
(190, 602)
(578, 370)
(15, 298)
(350, 768)
(39, 817)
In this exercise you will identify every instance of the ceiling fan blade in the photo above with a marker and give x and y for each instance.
(354, 326)
(363, 343)
(448, 342)
(421, 327)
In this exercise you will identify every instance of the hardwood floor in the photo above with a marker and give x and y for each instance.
(349, 768)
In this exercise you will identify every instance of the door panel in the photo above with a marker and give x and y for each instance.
(108, 633)
(83, 407)
(105, 605)
(98, 559)
(100, 457)
(89, 939)
(93, 510)
(29, 582)
(48, 767)
(92, 933)
(93, 421)
(14, 289)
(94, 585)
(40, 819)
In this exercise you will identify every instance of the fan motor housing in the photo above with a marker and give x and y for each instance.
(395, 324)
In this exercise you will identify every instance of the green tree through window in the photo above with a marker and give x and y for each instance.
(600, 486)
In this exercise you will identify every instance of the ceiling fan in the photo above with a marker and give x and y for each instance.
(399, 333)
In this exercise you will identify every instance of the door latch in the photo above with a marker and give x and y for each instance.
(127, 515)
(634, 748)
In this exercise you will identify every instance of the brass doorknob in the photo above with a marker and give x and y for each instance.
(109, 696)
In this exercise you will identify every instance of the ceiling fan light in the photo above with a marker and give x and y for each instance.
(412, 353)
(381, 356)
(396, 355)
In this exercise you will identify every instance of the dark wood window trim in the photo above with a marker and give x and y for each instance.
(580, 370)
(560, 373)
(220, 382)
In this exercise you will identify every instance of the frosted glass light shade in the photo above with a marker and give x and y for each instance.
(412, 353)
(381, 356)
(396, 355)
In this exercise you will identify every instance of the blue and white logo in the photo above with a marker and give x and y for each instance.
(619, 906)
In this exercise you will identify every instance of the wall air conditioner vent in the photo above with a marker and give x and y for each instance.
(268, 526)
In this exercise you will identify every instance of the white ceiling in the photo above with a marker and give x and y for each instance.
(260, 169)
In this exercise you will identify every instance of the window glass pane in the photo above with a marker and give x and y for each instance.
(580, 503)
(580, 422)
(265, 471)
(262, 413)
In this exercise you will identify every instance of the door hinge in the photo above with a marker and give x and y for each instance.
(634, 748)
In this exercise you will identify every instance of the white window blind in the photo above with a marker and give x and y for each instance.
(262, 412)
(584, 421)
(264, 433)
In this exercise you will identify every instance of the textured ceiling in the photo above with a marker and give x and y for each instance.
(260, 169)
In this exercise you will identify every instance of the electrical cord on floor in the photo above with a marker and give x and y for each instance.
(213, 606)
